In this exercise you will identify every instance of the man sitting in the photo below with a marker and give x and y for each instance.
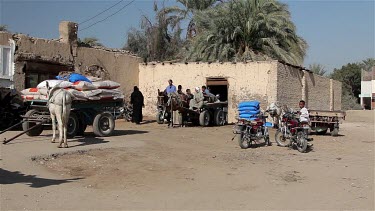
(197, 101)
(304, 116)
(207, 94)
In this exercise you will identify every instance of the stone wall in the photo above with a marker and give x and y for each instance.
(122, 68)
(250, 81)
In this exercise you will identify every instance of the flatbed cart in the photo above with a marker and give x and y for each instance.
(101, 114)
(210, 114)
(321, 121)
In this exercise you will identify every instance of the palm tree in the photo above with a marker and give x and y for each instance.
(318, 69)
(155, 40)
(186, 10)
(247, 30)
(368, 64)
(89, 42)
(4, 28)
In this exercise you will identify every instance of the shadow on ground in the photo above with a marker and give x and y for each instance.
(88, 140)
(13, 177)
(127, 132)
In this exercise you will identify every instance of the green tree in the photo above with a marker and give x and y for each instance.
(137, 42)
(318, 69)
(4, 28)
(350, 76)
(89, 42)
(247, 30)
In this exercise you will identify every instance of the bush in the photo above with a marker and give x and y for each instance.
(349, 102)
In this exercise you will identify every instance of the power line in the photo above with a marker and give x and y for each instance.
(101, 12)
(108, 16)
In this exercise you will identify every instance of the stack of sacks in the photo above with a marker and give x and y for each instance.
(249, 109)
(40, 92)
(34, 94)
(79, 86)
(97, 90)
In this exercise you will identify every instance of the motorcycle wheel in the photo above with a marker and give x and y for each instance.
(242, 141)
(301, 142)
(160, 118)
(266, 137)
(281, 139)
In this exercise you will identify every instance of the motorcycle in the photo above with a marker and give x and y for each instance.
(127, 112)
(292, 133)
(252, 131)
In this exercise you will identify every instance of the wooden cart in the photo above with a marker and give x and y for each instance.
(210, 114)
(321, 121)
(100, 114)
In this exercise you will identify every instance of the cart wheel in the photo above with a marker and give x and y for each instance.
(104, 124)
(219, 117)
(160, 118)
(204, 118)
(73, 125)
(322, 132)
(335, 132)
(26, 125)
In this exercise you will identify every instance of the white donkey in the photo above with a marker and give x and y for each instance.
(59, 104)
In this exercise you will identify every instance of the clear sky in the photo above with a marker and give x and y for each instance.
(337, 31)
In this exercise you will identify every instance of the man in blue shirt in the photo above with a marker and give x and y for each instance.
(171, 88)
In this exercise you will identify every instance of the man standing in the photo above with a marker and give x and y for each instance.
(136, 100)
(170, 88)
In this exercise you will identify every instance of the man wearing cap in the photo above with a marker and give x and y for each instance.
(197, 101)
(170, 88)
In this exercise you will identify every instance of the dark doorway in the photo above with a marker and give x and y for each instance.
(218, 86)
(37, 72)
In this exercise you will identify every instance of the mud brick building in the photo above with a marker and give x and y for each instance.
(266, 81)
(28, 61)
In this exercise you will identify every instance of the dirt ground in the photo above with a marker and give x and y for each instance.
(152, 167)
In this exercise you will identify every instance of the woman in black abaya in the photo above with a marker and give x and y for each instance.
(136, 100)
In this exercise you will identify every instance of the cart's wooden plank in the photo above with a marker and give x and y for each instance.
(340, 114)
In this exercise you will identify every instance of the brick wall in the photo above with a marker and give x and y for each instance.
(337, 92)
(318, 92)
(289, 85)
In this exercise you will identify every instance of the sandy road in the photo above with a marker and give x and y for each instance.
(153, 167)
